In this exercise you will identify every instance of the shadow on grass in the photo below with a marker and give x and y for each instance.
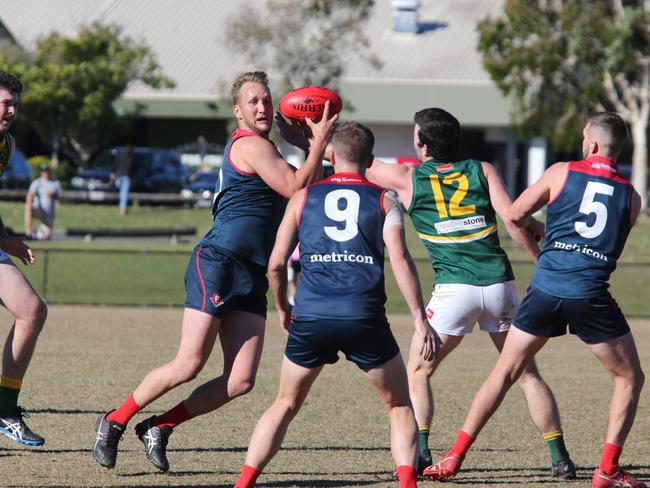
(290, 448)
(516, 476)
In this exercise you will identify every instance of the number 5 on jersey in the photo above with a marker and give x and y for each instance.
(590, 206)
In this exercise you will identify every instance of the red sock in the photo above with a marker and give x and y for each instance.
(248, 476)
(407, 476)
(124, 413)
(609, 458)
(173, 417)
(463, 442)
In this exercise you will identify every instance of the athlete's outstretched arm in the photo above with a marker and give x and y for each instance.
(393, 177)
(257, 154)
(501, 203)
(538, 194)
(406, 276)
(285, 242)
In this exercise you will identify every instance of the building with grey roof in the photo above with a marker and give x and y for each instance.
(437, 65)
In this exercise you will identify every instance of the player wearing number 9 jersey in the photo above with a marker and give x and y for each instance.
(591, 209)
(342, 224)
(453, 204)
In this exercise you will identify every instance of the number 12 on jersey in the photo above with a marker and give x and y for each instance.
(455, 208)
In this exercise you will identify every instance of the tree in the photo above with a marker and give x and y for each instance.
(71, 84)
(308, 42)
(564, 59)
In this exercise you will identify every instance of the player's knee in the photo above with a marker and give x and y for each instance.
(638, 379)
(37, 316)
(240, 386)
(188, 370)
(289, 405)
(397, 399)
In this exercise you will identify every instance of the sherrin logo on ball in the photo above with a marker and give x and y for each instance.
(309, 102)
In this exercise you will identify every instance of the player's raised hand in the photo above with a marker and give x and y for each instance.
(322, 130)
(293, 132)
(17, 248)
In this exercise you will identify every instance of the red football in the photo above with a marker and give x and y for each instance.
(309, 102)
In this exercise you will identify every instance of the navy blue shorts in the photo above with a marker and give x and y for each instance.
(217, 283)
(368, 343)
(594, 319)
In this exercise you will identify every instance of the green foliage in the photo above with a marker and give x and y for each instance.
(551, 57)
(34, 163)
(63, 172)
(307, 41)
(71, 84)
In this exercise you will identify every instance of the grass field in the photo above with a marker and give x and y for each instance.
(89, 358)
(145, 273)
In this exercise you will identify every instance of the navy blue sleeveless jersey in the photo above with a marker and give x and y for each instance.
(340, 231)
(246, 211)
(587, 225)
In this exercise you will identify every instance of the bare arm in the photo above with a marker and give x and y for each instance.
(29, 199)
(407, 279)
(257, 154)
(394, 177)
(501, 203)
(635, 207)
(285, 242)
(537, 195)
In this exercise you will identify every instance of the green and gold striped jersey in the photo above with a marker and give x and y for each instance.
(5, 151)
(452, 214)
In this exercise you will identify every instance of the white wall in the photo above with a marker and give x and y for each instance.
(393, 140)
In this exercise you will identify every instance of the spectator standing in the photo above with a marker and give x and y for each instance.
(40, 203)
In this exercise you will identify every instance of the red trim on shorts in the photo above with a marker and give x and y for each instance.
(236, 135)
(302, 206)
(566, 176)
(198, 270)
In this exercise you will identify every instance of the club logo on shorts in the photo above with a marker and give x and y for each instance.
(216, 299)
(429, 313)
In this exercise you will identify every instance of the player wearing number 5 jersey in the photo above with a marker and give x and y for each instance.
(453, 205)
(591, 209)
(342, 224)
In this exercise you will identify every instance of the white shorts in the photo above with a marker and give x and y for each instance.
(455, 308)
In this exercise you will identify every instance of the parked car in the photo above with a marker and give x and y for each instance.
(202, 184)
(18, 174)
(155, 170)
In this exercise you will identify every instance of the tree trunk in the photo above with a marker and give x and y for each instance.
(640, 159)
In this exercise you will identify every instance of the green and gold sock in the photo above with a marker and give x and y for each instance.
(555, 441)
(423, 437)
(9, 391)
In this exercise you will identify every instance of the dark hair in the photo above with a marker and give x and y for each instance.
(252, 76)
(439, 132)
(353, 142)
(612, 124)
(10, 82)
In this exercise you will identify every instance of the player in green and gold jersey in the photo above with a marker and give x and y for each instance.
(16, 294)
(453, 205)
